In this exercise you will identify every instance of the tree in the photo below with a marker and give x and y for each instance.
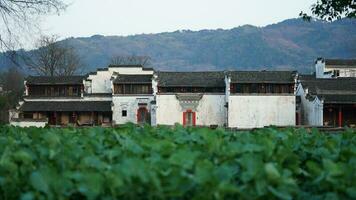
(12, 82)
(53, 59)
(131, 60)
(19, 16)
(332, 9)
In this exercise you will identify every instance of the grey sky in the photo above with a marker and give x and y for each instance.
(127, 17)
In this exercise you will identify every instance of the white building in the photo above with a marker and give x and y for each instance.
(333, 68)
(327, 101)
(130, 93)
(191, 98)
(132, 98)
(328, 98)
(258, 99)
(72, 100)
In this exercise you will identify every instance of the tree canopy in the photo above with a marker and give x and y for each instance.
(332, 9)
(53, 58)
(18, 17)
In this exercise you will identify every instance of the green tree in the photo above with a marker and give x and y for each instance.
(331, 10)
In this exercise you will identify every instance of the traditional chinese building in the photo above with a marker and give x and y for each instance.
(258, 99)
(328, 98)
(236, 99)
(328, 101)
(333, 68)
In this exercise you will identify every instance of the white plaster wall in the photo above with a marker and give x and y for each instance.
(344, 72)
(130, 104)
(258, 111)
(129, 70)
(311, 111)
(320, 70)
(168, 110)
(29, 124)
(101, 82)
(13, 114)
(210, 111)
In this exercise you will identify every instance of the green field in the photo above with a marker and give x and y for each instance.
(176, 163)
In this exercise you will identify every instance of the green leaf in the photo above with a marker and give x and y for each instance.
(279, 194)
(272, 172)
(183, 158)
(39, 182)
(332, 168)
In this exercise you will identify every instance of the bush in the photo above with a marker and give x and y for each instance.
(176, 163)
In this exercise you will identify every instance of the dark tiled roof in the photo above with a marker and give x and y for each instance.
(262, 76)
(330, 85)
(191, 79)
(66, 106)
(55, 80)
(336, 90)
(339, 99)
(133, 79)
(341, 62)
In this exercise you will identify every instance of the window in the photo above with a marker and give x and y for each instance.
(336, 73)
(262, 88)
(191, 89)
(124, 113)
(28, 115)
(254, 88)
(133, 89)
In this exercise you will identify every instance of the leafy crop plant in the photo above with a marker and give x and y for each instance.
(133, 162)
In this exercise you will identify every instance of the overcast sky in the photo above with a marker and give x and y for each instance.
(128, 17)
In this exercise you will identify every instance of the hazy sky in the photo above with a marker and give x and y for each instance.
(127, 17)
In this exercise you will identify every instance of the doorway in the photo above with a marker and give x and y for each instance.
(142, 115)
(189, 118)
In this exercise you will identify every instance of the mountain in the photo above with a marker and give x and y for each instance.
(291, 44)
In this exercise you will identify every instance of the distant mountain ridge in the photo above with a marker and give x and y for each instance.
(291, 44)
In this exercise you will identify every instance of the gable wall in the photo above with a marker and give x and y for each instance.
(210, 110)
(101, 81)
(253, 111)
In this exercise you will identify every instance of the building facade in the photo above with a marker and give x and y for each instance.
(121, 94)
(333, 68)
(258, 99)
(235, 99)
(328, 97)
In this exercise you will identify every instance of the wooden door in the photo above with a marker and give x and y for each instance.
(189, 118)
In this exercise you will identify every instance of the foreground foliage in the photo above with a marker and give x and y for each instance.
(176, 163)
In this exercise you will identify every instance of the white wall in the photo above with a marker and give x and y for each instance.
(210, 111)
(311, 110)
(344, 72)
(168, 110)
(101, 82)
(253, 111)
(129, 70)
(130, 104)
(320, 70)
(28, 124)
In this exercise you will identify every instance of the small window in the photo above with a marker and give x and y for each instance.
(124, 113)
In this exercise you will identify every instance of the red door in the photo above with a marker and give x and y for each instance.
(142, 115)
(189, 118)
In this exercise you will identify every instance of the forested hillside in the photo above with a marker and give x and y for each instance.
(291, 44)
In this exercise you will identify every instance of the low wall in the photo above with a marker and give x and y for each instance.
(29, 123)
